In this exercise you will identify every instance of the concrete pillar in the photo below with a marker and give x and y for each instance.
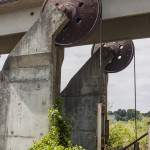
(30, 81)
(149, 136)
(99, 126)
(81, 99)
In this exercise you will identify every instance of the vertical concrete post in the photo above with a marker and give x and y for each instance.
(99, 126)
(103, 98)
(149, 136)
(31, 79)
(81, 97)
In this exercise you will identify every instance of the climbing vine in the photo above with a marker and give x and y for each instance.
(59, 136)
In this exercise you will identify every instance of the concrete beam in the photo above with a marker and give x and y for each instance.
(19, 4)
(122, 20)
(131, 27)
(8, 42)
(18, 21)
(123, 28)
(121, 8)
(13, 26)
(118, 16)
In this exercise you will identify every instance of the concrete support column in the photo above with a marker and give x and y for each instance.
(149, 136)
(81, 98)
(30, 81)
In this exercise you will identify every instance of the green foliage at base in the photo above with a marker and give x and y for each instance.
(120, 135)
(59, 136)
(123, 133)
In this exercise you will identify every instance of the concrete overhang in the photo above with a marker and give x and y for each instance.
(122, 19)
(7, 6)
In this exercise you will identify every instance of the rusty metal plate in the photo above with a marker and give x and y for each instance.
(123, 53)
(83, 15)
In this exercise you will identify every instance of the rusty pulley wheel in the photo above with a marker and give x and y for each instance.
(123, 53)
(83, 16)
(117, 55)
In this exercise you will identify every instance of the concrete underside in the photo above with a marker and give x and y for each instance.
(30, 80)
(15, 5)
(118, 16)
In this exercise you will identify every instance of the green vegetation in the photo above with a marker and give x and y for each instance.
(59, 136)
(122, 131)
(123, 115)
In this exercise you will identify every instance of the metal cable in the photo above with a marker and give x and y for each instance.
(102, 82)
(135, 96)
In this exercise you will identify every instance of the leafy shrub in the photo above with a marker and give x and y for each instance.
(120, 135)
(59, 136)
(123, 133)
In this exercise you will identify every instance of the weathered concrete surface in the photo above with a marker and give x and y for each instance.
(118, 16)
(81, 97)
(30, 81)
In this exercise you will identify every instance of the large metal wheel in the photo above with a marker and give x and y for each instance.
(83, 16)
(121, 53)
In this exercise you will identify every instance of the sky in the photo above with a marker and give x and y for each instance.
(120, 85)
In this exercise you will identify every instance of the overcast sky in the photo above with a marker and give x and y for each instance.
(120, 91)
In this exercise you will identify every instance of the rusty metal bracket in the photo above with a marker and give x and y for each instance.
(83, 16)
(117, 55)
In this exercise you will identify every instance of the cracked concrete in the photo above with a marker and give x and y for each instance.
(81, 98)
(30, 80)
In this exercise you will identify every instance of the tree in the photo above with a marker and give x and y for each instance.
(123, 115)
(146, 114)
(120, 115)
(110, 113)
(131, 114)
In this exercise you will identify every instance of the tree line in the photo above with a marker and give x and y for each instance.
(126, 115)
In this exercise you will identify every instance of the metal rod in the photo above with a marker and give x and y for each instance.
(149, 136)
(135, 96)
(137, 140)
(99, 126)
(102, 89)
